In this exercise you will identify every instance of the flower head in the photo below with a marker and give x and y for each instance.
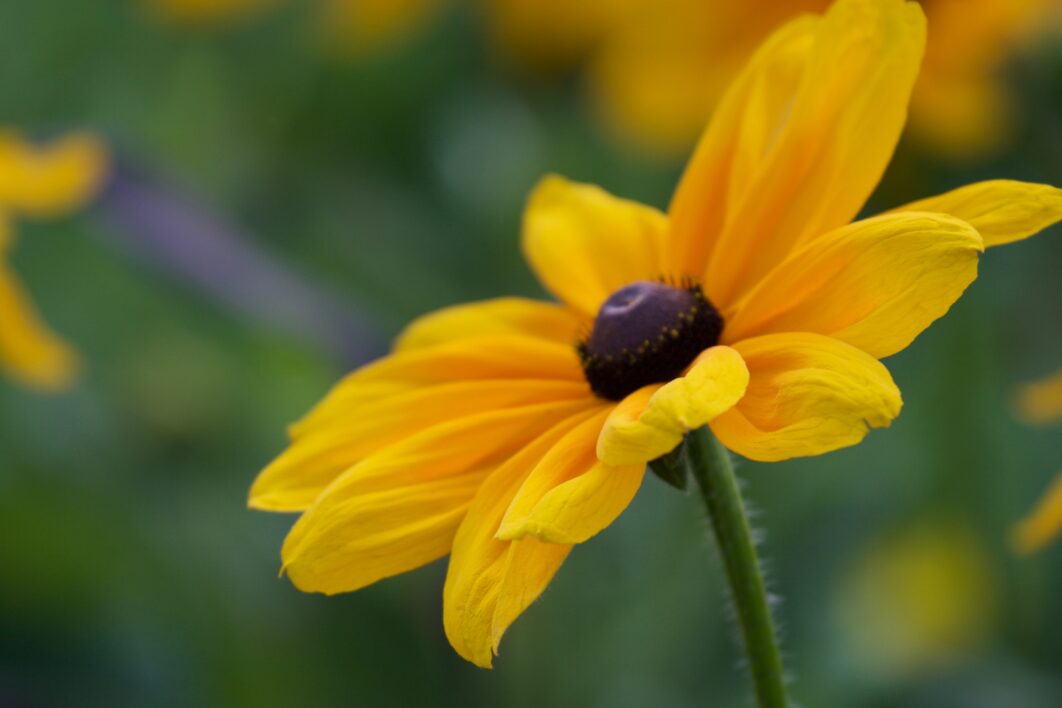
(39, 181)
(504, 432)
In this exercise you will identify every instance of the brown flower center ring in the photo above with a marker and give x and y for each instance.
(645, 333)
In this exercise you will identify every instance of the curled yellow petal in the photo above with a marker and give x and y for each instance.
(652, 421)
(29, 351)
(501, 316)
(584, 244)
(1044, 524)
(571, 495)
(490, 581)
(876, 283)
(1002, 210)
(400, 507)
(50, 179)
(808, 394)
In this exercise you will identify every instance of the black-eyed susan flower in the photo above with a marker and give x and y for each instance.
(39, 181)
(1040, 403)
(661, 71)
(504, 432)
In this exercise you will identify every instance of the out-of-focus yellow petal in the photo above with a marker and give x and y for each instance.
(876, 283)
(1044, 524)
(571, 495)
(584, 244)
(473, 359)
(653, 420)
(501, 316)
(799, 142)
(294, 479)
(808, 394)
(552, 34)
(29, 351)
(491, 581)
(657, 77)
(401, 507)
(1002, 210)
(1041, 402)
(51, 179)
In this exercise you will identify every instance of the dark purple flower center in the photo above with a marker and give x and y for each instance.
(647, 332)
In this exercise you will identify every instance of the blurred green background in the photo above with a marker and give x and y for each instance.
(131, 572)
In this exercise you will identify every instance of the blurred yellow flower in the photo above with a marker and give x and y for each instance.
(755, 305)
(1044, 524)
(918, 599)
(1041, 403)
(39, 181)
(658, 76)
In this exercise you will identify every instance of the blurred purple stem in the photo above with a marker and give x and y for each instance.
(217, 259)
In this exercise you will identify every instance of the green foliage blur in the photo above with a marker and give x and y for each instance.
(131, 572)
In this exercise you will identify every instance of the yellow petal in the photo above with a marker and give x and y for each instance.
(799, 141)
(1041, 402)
(51, 179)
(491, 581)
(501, 316)
(293, 480)
(29, 351)
(652, 421)
(876, 283)
(1002, 210)
(472, 359)
(584, 244)
(1044, 524)
(571, 495)
(808, 394)
(400, 508)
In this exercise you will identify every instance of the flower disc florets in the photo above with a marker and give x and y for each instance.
(647, 332)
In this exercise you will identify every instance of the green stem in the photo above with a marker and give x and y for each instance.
(709, 463)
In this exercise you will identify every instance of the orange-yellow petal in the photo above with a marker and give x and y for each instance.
(51, 179)
(876, 283)
(1044, 524)
(501, 316)
(29, 351)
(1041, 402)
(472, 359)
(571, 495)
(491, 581)
(1002, 210)
(584, 244)
(808, 394)
(653, 420)
(314, 459)
(799, 141)
(400, 508)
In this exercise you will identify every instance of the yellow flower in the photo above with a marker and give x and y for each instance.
(660, 74)
(753, 306)
(1040, 403)
(39, 182)
(918, 599)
